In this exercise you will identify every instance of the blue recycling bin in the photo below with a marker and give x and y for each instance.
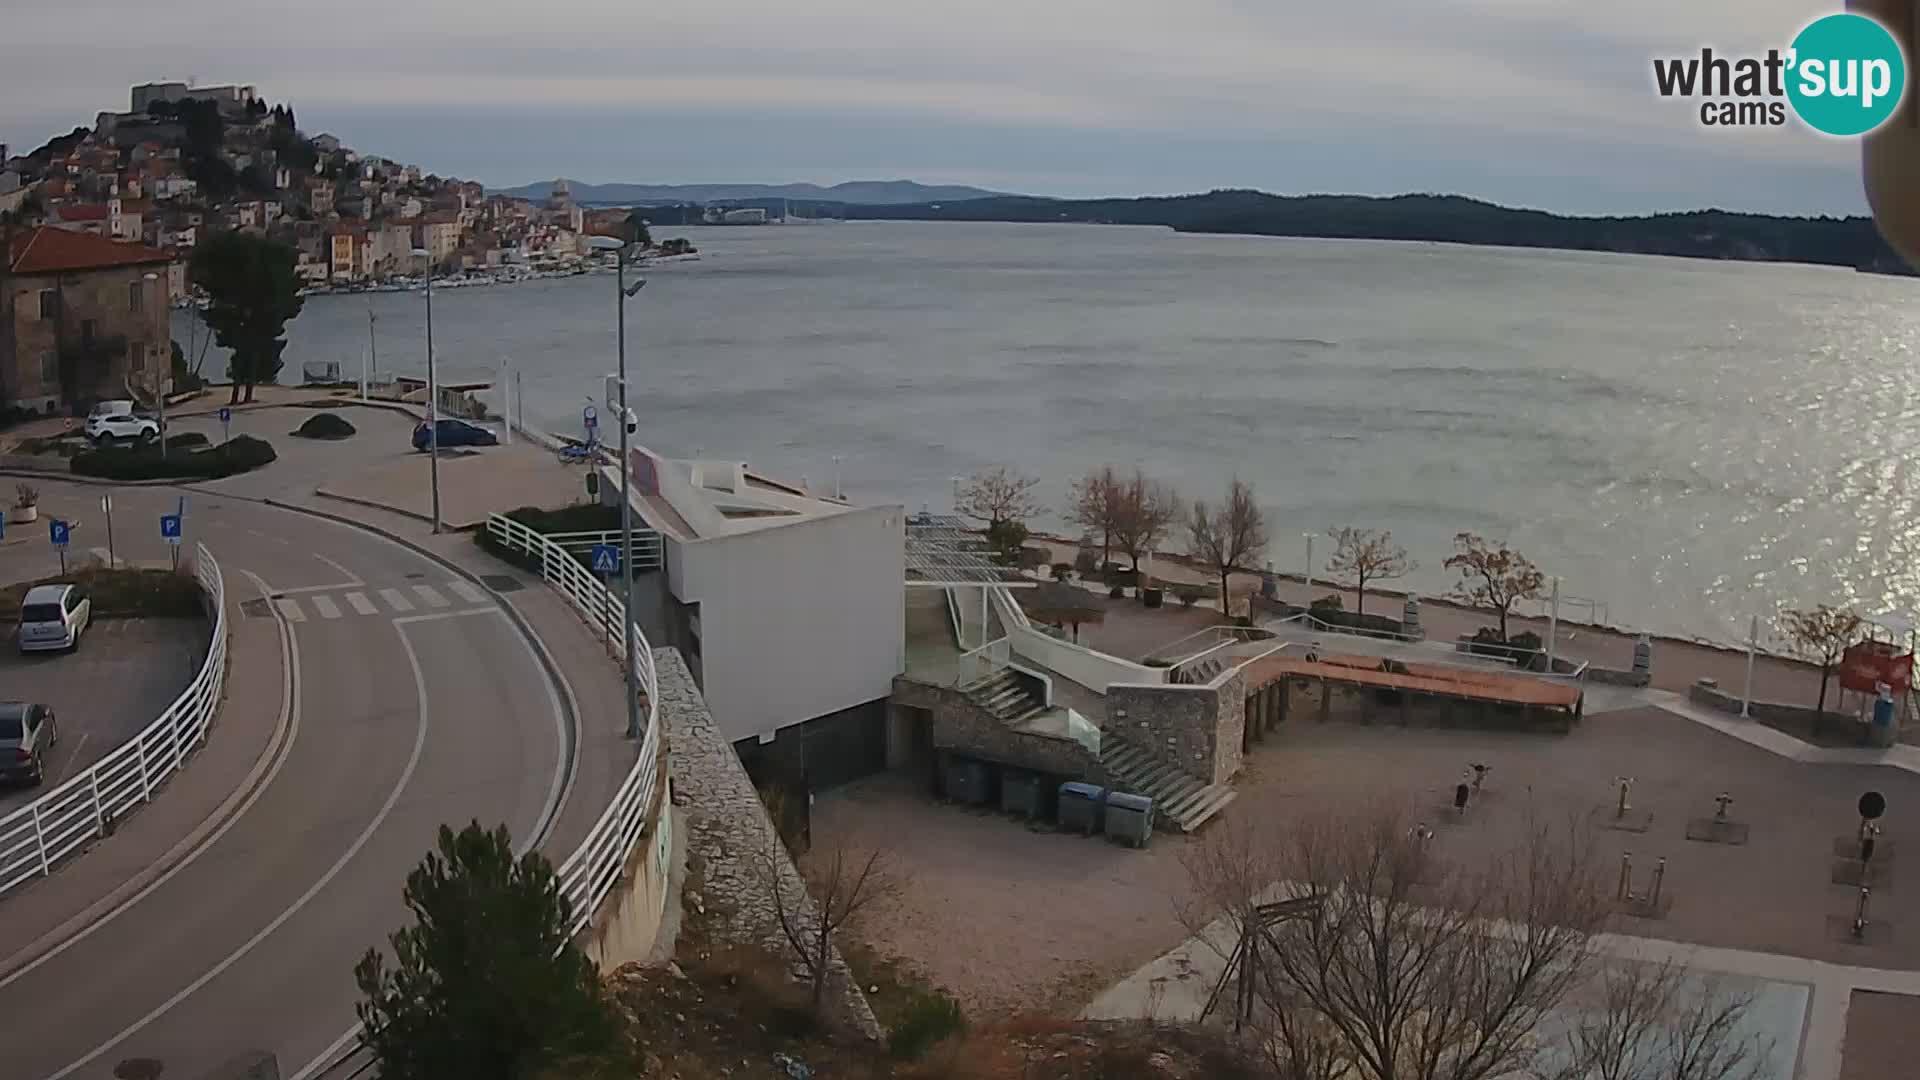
(1082, 806)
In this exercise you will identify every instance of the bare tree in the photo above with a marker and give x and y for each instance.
(1492, 576)
(997, 496)
(1229, 536)
(1822, 636)
(1364, 555)
(841, 886)
(1091, 504)
(1143, 512)
(1655, 1021)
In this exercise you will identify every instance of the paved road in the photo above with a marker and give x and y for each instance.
(416, 702)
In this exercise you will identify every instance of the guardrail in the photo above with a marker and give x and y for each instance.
(594, 868)
(53, 826)
(648, 552)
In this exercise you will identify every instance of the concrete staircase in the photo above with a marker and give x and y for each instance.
(1006, 695)
(1199, 672)
(1177, 796)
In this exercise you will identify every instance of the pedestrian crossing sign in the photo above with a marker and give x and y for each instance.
(606, 559)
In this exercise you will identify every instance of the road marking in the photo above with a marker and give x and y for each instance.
(366, 834)
(361, 605)
(326, 607)
(344, 572)
(467, 592)
(291, 609)
(439, 616)
(431, 596)
(73, 755)
(396, 601)
(289, 723)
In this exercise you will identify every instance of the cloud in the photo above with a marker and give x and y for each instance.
(1446, 83)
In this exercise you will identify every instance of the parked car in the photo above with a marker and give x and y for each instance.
(27, 732)
(53, 617)
(454, 433)
(117, 420)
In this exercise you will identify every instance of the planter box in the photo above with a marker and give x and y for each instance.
(20, 515)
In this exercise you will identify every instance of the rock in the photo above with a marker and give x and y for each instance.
(673, 969)
(794, 1068)
(874, 989)
(1161, 1064)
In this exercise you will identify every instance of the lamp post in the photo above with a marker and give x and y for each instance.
(622, 294)
(1309, 537)
(166, 373)
(433, 396)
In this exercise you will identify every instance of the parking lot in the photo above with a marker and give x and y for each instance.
(124, 673)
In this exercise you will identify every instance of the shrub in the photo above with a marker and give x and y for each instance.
(237, 455)
(1062, 571)
(930, 1017)
(185, 440)
(1085, 562)
(324, 425)
(25, 495)
(1117, 592)
(1329, 602)
(1188, 594)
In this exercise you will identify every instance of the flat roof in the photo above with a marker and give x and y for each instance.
(694, 499)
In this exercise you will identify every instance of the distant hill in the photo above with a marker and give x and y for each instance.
(1454, 219)
(867, 192)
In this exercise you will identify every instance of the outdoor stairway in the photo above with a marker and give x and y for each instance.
(1005, 695)
(1200, 672)
(1177, 797)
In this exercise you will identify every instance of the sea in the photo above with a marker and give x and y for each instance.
(1686, 445)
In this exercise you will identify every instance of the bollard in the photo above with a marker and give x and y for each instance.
(1725, 800)
(1625, 890)
(1461, 793)
(1659, 875)
(1860, 914)
(1643, 655)
(1625, 782)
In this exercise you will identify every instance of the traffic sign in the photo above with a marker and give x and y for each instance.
(58, 531)
(606, 559)
(170, 528)
(106, 502)
(226, 414)
(3, 524)
(590, 417)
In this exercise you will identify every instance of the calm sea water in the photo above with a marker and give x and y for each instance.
(1690, 442)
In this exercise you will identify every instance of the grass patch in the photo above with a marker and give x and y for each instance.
(119, 593)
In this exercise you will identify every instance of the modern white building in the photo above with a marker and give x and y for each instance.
(788, 604)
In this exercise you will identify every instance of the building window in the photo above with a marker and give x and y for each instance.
(138, 361)
(50, 367)
(133, 297)
(49, 304)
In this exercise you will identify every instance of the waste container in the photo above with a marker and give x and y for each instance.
(1081, 806)
(1020, 793)
(1129, 817)
(966, 781)
(1152, 596)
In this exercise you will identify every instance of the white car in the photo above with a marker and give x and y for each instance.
(117, 420)
(53, 617)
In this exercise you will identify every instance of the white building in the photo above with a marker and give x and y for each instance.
(788, 605)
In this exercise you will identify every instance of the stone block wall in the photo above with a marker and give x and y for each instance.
(960, 725)
(1195, 728)
(729, 835)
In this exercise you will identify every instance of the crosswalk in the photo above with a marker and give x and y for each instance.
(394, 601)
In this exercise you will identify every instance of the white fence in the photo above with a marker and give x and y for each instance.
(53, 826)
(647, 551)
(590, 873)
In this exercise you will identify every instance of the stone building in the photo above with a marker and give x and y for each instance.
(79, 314)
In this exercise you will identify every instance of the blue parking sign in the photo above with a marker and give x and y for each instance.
(59, 531)
(170, 528)
(606, 559)
(226, 414)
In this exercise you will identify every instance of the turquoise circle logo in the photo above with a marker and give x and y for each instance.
(1848, 74)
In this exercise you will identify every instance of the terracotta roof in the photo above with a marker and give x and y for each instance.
(47, 250)
(82, 212)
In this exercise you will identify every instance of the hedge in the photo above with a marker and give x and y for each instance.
(237, 455)
(324, 426)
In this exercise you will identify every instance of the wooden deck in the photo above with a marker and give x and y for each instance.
(1432, 679)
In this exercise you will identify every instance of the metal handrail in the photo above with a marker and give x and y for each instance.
(594, 868)
(84, 808)
(649, 552)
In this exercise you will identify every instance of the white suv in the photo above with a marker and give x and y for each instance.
(116, 420)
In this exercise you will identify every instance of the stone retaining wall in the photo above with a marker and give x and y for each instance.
(1198, 729)
(959, 724)
(729, 835)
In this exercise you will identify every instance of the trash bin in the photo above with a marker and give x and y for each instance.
(1129, 817)
(966, 781)
(1081, 806)
(1152, 596)
(1020, 793)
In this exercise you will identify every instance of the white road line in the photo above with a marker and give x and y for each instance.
(440, 616)
(344, 572)
(73, 756)
(361, 605)
(305, 589)
(379, 819)
(325, 606)
(395, 600)
(466, 591)
(431, 596)
(291, 609)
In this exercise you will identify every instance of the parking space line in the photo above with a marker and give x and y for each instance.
(361, 605)
(432, 596)
(326, 607)
(396, 601)
(466, 591)
(290, 608)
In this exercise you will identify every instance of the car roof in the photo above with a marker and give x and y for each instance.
(13, 710)
(45, 594)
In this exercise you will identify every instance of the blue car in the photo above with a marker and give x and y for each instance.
(454, 433)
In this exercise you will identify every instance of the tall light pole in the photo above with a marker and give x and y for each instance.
(433, 396)
(166, 373)
(622, 294)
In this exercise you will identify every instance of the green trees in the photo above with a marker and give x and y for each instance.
(487, 983)
(253, 291)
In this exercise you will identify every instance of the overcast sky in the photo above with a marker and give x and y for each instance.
(1545, 103)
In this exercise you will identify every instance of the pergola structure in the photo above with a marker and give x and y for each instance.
(944, 553)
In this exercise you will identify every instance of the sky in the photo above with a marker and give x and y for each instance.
(1539, 103)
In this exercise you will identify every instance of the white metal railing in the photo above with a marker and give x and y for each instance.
(594, 868)
(53, 826)
(953, 613)
(1185, 650)
(648, 552)
(981, 663)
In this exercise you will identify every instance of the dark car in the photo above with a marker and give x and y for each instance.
(27, 732)
(454, 433)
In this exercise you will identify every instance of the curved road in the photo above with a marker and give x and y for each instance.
(412, 700)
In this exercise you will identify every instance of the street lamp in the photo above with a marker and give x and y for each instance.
(433, 396)
(166, 373)
(1309, 537)
(622, 294)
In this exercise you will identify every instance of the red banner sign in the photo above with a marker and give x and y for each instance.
(1867, 665)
